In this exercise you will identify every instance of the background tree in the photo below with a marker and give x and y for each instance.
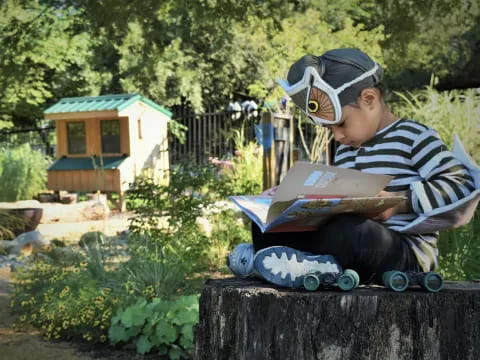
(204, 51)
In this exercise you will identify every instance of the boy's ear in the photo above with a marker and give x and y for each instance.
(369, 96)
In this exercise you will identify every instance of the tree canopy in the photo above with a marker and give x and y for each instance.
(201, 52)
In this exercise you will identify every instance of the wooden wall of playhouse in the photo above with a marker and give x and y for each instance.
(143, 139)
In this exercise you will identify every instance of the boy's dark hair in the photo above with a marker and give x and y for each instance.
(339, 66)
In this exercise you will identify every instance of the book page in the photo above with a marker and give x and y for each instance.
(254, 206)
(308, 214)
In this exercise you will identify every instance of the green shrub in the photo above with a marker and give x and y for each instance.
(460, 250)
(448, 112)
(227, 231)
(157, 325)
(23, 173)
(243, 173)
(63, 301)
(164, 230)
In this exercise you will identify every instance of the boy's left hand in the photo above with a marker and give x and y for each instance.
(387, 214)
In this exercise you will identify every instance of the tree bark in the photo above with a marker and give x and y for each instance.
(249, 319)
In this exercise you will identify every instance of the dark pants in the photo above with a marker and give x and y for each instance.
(356, 242)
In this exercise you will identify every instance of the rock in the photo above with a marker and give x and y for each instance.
(15, 266)
(92, 238)
(22, 204)
(34, 239)
(96, 210)
(82, 211)
(70, 198)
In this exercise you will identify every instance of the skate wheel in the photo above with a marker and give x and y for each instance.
(432, 281)
(346, 281)
(395, 280)
(311, 282)
(355, 275)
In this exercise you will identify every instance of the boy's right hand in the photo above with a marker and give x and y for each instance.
(269, 192)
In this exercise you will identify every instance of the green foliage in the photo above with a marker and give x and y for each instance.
(423, 37)
(178, 52)
(245, 173)
(23, 173)
(64, 299)
(271, 51)
(448, 112)
(158, 325)
(46, 52)
(460, 250)
(8, 222)
(165, 236)
(229, 229)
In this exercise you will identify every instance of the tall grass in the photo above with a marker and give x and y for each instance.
(451, 112)
(448, 112)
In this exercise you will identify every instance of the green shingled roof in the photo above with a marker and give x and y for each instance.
(87, 163)
(102, 103)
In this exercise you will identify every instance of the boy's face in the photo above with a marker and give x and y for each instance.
(360, 121)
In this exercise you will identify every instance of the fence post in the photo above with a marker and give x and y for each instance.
(278, 157)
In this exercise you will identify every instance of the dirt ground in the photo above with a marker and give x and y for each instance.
(71, 231)
(15, 345)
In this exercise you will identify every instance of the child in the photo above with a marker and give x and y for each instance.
(342, 90)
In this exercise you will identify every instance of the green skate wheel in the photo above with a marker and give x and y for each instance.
(346, 281)
(395, 280)
(311, 282)
(432, 281)
(354, 274)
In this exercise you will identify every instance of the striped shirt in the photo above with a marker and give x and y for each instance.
(419, 161)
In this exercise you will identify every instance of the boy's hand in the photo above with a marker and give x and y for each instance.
(402, 207)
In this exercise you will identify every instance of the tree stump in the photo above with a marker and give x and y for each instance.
(249, 319)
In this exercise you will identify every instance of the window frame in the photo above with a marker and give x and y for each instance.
(69, 142)
(102, 122)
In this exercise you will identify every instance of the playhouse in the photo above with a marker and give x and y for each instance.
(103, 142)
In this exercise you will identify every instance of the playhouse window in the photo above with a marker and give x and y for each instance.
(76, 137)
(110, 136)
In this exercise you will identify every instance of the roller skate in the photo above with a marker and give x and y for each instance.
(287, 267)
(400, 281)
(346, 281)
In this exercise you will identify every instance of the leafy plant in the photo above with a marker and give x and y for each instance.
(165, 236)
(23, 173)
(157, 325)
(448, 112)
(243, 173)
(460, 250)
(63, 301)
(228, 231)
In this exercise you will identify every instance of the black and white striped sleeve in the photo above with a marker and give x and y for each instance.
(444, 179)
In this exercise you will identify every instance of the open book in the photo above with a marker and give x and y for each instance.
(311, 193)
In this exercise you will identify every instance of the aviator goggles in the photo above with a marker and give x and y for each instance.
(317, 99)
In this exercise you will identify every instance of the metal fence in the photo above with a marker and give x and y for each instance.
(42, 139)
(210, 134)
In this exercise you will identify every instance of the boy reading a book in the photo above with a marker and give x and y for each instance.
(342, 90)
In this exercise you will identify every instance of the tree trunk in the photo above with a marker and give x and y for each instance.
(249, 319)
